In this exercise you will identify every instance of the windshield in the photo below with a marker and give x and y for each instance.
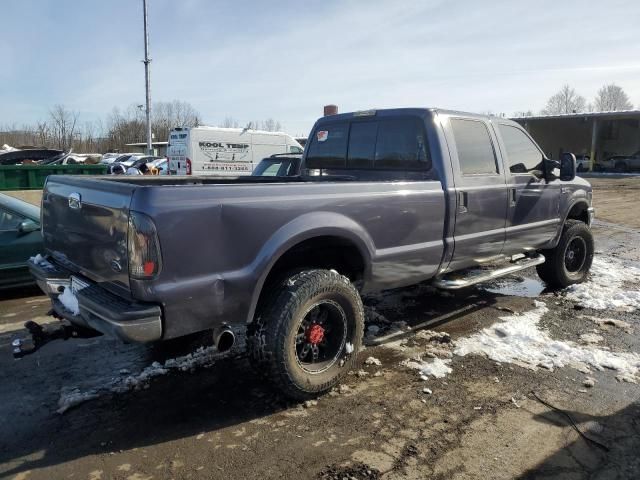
(277, 167)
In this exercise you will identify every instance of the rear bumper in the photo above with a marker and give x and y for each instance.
(99, 309)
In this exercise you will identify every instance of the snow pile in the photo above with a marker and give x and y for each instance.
(73, 397)
(437, 367)
(604, 289)
(69, 301)
(518, 339)
(38, 259)
(8, 148)
(203, 357)
(372, 361)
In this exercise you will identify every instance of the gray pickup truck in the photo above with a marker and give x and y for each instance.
(385, 199)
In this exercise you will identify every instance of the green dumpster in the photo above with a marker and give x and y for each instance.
(32, 177)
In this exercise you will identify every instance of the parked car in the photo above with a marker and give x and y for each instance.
(401, 196)
(623, 163)
(223, 151)
(115, 157)
(162, 164)
(583, 163)
(282, 165)
(20, 239)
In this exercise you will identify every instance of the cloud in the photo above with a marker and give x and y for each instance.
(280, 59)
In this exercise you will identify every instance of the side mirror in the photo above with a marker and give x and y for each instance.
(567, 167)
(27, 226)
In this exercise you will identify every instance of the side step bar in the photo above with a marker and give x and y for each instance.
(488, 275)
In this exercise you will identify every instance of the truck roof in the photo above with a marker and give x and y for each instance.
(383, 112)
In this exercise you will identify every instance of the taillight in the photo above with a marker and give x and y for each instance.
(143, 246)
(188, 167)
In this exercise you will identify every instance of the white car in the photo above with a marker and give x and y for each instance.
(583, 163)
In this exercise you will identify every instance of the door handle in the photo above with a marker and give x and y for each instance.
(463, 205)
(512, 197)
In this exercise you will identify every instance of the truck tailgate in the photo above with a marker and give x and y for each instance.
(84, 223)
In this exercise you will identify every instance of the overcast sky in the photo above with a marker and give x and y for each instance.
(259, 59)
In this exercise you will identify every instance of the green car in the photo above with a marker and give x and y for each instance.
(20, 238)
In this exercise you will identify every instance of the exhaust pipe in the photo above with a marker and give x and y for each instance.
(225, 340)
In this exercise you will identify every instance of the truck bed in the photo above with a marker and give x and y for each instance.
(220, 238)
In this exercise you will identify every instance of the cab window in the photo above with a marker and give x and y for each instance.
(328, 147)
(475, 150)
(522, 154)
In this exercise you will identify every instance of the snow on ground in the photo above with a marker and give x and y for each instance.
(69, 301)
(520, 340)
(437, 367)
(604, 289)
(204, 357)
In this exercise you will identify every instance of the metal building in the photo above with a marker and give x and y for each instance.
(598, 135)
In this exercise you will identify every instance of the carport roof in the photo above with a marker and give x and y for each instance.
(613, 115)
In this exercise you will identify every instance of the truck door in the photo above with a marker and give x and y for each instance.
(533, 209)
(481, 192)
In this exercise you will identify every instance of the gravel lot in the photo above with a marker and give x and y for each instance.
(201, 417)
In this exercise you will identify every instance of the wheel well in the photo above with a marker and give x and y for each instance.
(326, 252)
(579, 212)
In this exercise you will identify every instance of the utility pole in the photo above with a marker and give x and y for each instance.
(147, 81)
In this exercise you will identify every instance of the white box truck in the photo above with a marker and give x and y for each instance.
(223, 151)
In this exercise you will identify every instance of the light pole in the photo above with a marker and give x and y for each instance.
(147, 81)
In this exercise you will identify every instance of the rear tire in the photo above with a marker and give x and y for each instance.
(570, 261)
(308, 334)
(621, 167)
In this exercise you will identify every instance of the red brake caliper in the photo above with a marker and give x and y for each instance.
(315, 334)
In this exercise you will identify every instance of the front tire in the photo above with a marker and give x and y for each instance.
(308, 335)
(570, 261)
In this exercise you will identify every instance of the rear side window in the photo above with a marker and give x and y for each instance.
(390, 144)
(522, 154)
(362, 144)
(402, 145)
(475, 150)
(329, 146)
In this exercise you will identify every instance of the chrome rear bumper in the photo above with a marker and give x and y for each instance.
(98, 308)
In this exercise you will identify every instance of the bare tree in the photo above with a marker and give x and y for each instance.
(271, 125)
(567, 100)
(168, 115)
(229, 122)
(611, 98)
(63, 126)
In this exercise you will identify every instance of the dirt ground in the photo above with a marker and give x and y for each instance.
(482, 420)
(615, 199)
